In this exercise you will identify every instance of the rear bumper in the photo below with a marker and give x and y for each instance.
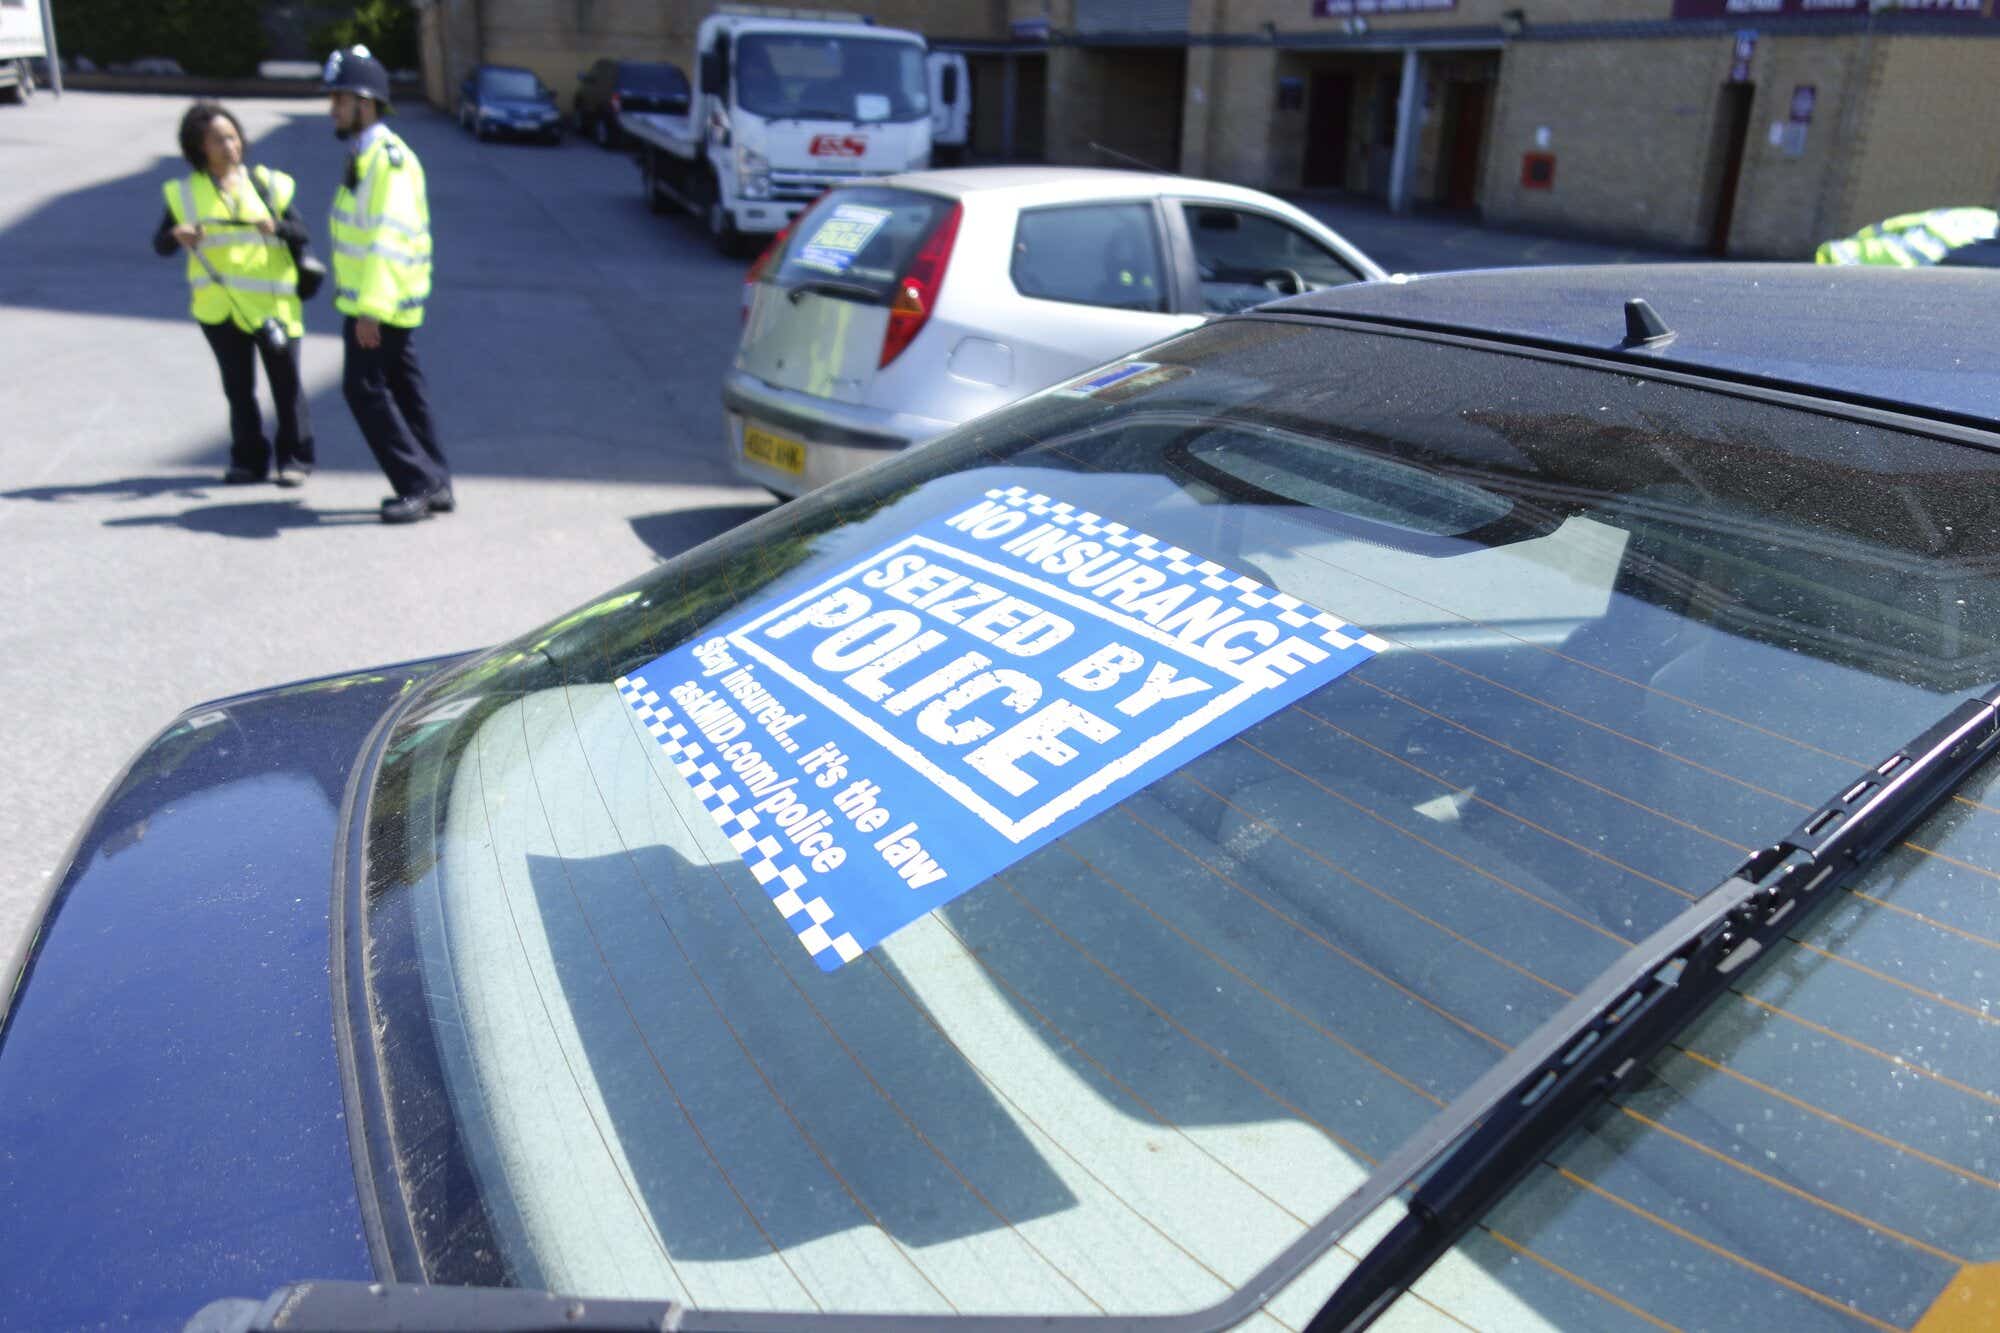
(839, 438)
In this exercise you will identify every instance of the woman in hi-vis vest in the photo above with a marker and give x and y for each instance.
(237, 226)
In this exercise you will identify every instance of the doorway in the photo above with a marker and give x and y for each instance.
(1732, 125)
(1464, 137)
(1329, 101)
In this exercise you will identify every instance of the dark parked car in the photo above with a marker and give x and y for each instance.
(1455, 797)
(610, 88)
(502, 101)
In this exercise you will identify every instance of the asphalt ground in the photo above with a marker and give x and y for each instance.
(573, 346)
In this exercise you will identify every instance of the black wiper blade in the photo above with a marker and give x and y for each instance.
(832, 287)
(1514, 1115)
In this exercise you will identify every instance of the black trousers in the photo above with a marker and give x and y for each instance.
(236, 355)
(384, 388)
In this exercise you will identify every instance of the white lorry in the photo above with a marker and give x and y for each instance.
(951, 105)
(784, 108)
(21, 39)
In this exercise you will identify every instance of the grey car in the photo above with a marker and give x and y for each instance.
(896, 309)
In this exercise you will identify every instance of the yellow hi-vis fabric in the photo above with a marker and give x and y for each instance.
(257, 278)
(381, 234)
(1912, 239)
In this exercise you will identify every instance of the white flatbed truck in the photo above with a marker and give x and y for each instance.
(783, 109)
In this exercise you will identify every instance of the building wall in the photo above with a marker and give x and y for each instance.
(1233, 131)
(1127, 99)
(1635, 124)
(1931, 134)
(1788, 203)
(1630, 124)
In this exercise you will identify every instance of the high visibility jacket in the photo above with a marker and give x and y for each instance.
(1912, 239)
(381, 234)
(256, 277)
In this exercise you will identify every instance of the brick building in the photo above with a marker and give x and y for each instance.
(1745, 127)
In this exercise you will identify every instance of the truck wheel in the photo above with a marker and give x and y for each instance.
(651, 173)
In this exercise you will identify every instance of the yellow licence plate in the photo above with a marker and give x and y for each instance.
(778, 451)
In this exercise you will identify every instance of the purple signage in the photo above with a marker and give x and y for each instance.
(1342, 9)
(1763, 10)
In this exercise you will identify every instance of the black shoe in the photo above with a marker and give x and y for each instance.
(442, 500)
(406, 508)
(241, 476)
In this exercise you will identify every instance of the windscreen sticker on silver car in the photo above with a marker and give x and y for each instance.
(840, 236)
(1127, 379)
(930, 713)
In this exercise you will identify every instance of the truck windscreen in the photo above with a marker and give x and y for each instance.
(800, 77)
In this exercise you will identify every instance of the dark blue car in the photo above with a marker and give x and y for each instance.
(506, 102)
(1461, 800)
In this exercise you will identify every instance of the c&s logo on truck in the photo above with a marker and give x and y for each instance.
(838, 145)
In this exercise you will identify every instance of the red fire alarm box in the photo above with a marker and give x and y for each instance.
(1538, 171)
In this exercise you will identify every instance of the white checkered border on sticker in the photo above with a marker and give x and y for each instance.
(1248, 592)
(808, 917)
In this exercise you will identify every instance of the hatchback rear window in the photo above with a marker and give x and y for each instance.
(663, 80)
(1091, 254)
(1610, 633)
(864, 239)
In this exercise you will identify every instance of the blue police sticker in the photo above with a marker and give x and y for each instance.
(841, 236)
(892, 736)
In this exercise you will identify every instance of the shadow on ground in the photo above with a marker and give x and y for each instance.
(679, 530)
(257, 519)
(195, 486)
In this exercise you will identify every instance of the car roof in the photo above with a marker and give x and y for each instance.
(1031, 184)
(1923, 338)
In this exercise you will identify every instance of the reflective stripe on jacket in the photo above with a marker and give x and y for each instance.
(254, 277)
(381, 233)
(1911, 240)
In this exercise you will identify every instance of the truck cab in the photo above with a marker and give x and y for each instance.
(21, 41)
(784, 109)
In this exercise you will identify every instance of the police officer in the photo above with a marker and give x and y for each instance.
(236, 224)
(381, 276)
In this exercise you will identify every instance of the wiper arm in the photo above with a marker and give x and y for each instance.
(1513, 1116)
(832, 287)
(369, 1307)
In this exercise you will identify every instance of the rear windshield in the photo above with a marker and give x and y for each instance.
(863, 239)
(510, 83)
(661, 80)
(1044, 874)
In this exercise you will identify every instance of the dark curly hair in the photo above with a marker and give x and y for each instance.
(194, 131)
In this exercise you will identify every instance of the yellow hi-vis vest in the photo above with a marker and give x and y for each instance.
(381, 234)
(256, 270)
(1912, 240)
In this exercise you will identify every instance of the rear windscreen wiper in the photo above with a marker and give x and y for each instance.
(1514, 1115)
(832, 287)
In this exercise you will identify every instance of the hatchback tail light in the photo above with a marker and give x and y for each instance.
(762, 266)
(917, 290)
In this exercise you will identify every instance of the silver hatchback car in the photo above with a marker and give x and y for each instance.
(896, 309)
